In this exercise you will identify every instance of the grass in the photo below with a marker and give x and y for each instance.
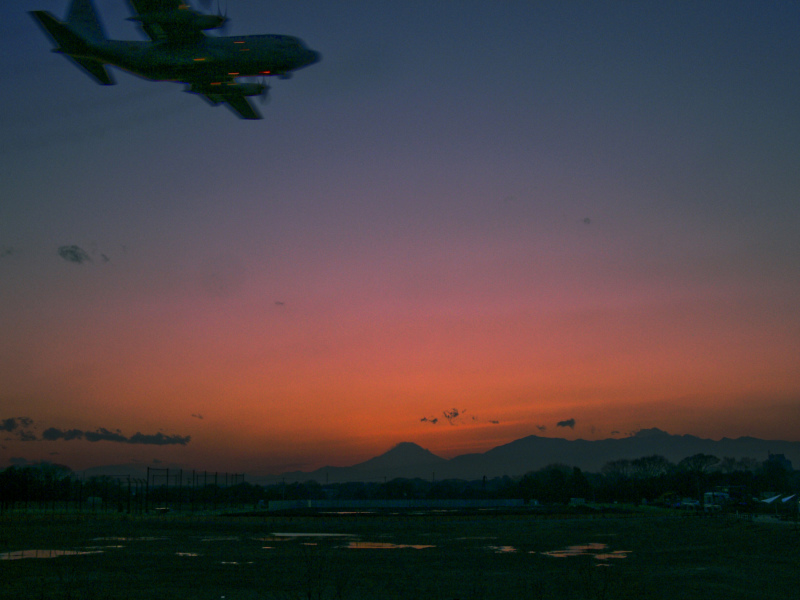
(237, 558)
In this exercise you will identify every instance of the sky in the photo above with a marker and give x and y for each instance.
(469, 223)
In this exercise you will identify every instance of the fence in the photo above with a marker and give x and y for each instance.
(160, 490)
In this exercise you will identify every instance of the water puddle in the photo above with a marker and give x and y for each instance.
(129, 539)
(597, 550)
(385, 546)
(19, 554)
(312, 535)
(502, 549)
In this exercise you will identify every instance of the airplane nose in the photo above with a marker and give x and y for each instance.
(313, 57)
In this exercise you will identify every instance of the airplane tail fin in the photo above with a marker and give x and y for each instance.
(75, 37)
(82, 19)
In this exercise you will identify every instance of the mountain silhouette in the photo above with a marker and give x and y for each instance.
(406, 459)
(535, 452)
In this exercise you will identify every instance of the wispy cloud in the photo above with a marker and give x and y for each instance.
(568, 423)
(456, 416)
(74, 254)
(19, 428)
(51, 434)
(451, 415)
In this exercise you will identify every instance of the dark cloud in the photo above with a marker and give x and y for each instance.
(159, 439)
(104, 435)
(568, 423)
(15, 423)
(74, 254)
(541, 427)
(17, 427)
(454, 416)
(6, 251)
(52, 434)
(8, 425)
(587, 220)
(197, 415)
(451, 415)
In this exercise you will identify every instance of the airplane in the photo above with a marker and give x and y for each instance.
(179, 51)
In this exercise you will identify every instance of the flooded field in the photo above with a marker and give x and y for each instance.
(415, 556)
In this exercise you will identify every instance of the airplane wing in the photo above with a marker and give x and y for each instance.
(234, 100)
(162, 29)
(242, 107)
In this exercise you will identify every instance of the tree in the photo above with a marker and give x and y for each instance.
(695, 471)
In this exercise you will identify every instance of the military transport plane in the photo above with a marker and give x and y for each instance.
(179, 50)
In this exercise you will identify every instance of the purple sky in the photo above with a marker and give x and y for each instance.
(528, 211)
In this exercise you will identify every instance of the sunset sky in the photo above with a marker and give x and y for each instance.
(470, 222)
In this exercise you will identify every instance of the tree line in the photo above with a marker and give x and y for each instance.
(650, 479)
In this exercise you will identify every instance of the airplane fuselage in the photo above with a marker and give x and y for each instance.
(178, 50)
(208, 59)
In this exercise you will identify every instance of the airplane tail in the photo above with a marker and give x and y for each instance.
(76, 36)
(82, 18)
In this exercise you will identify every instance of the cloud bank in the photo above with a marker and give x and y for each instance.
(20, 429)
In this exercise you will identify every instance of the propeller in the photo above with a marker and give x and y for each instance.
(264, 96)
(223, 28)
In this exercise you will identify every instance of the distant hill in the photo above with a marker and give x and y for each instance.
(406, 459)
(515, 458)
(534, 452)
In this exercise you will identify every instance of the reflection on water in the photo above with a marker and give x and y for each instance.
(286, 537)
(186, 554)
(45, 553)
(594, 549)
(502, 549)
(129, 539)
(385, 546)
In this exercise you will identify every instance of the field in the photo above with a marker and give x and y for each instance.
(435, 556)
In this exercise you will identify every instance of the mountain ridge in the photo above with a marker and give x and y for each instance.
(534, 452)
(517, 457)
